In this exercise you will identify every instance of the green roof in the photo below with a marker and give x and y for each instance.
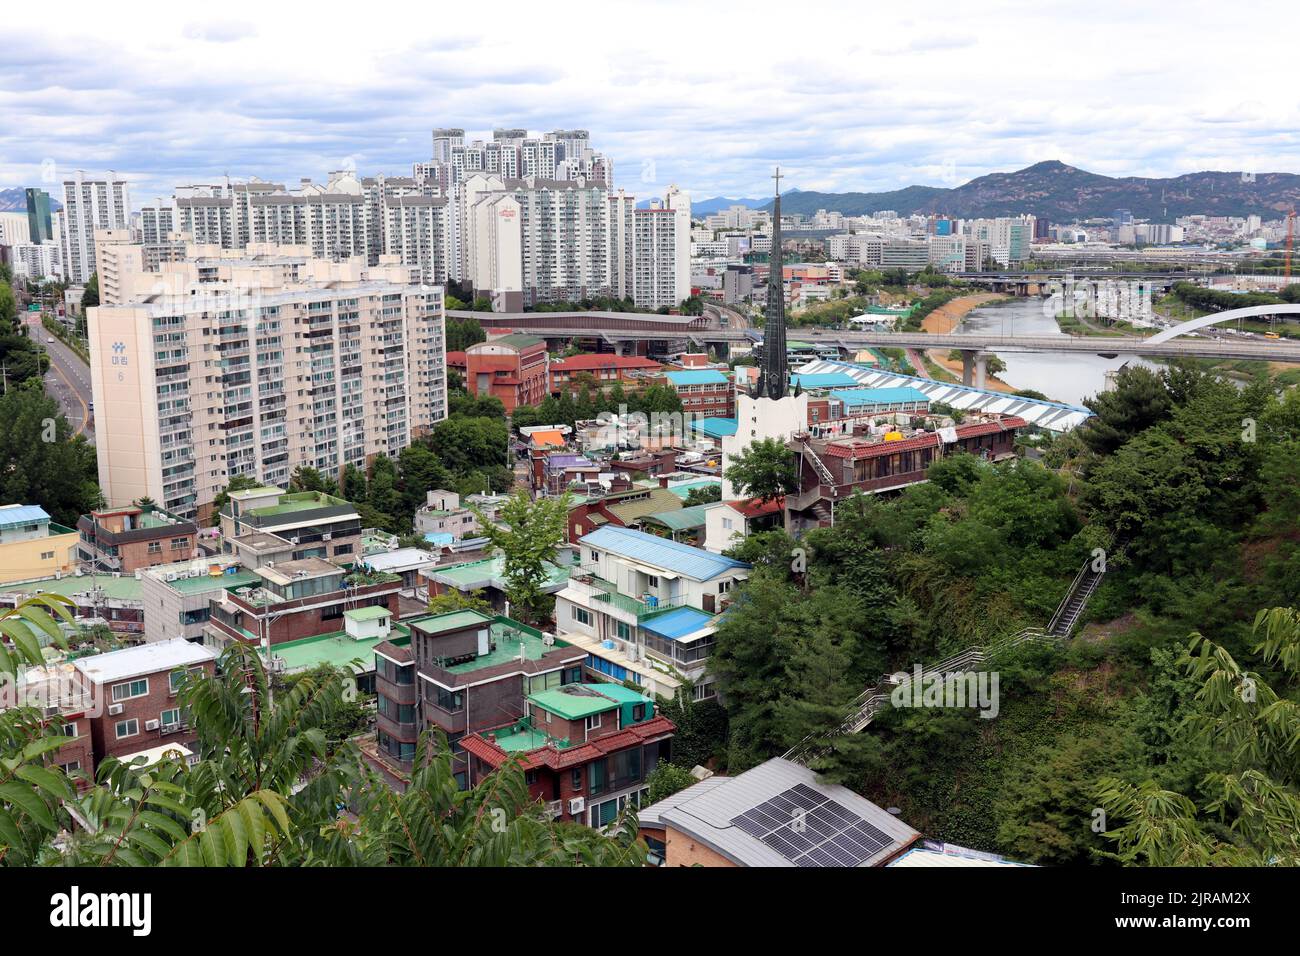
(521, 737)
(681, 491)
(334, 648)
(301, 501)
(375, 613)
(509, 637)
(518, 340)
(489, 573)
(208, 582)
(125, 588)
(682, 519)
(659, 499)
(572, 706)
(450, 621)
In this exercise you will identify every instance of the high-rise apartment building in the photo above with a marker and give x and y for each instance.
(88, 205)
(255, 362)
(40, 225)
(661, 251)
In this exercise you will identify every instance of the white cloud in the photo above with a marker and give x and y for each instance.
(856, 97)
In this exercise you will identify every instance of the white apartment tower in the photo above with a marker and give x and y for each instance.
(254, 364)
(90, 204)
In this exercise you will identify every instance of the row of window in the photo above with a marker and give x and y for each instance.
(170, 719)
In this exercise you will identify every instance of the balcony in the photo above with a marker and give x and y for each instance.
(606, 592)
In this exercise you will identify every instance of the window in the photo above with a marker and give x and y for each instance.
(126, 728)
(651, 581)
(724, 586)
(624, 631)
(71, 767)
(47, 555)
(593, 722)
(171, 718)
(638, 712)
(134, 688)
(155, 547)
(581, 615)
(576, 779)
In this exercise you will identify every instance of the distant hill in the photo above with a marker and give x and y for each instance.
(14, 199)
(1064, 193)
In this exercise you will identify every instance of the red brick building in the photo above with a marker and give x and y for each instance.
(297, 599)
(132, 692)
(605, 368)
(515, 368)
(586, 749)
(705, 392)
(124, 539)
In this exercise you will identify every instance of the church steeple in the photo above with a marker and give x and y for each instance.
(774, 374)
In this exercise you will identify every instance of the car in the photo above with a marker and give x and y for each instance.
(49, 339)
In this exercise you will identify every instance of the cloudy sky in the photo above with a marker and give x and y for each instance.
(708, 94)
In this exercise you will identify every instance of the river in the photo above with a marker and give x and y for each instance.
(1062, 377)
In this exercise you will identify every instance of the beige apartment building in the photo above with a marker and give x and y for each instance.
(256, 361)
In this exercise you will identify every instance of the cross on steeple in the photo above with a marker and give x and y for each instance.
(777, 176)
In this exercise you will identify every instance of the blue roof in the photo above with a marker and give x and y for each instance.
(678, 622)
(21, 515)
(440, 538)
(695, 563)
(715, 427)
(706, 376)
(880, 396)
(824, 380)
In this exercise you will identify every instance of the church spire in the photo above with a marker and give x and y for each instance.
(774, 374)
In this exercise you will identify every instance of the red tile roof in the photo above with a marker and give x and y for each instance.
(755, 509)
(556, 759)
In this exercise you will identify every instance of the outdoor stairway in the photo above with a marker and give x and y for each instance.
(875, 698)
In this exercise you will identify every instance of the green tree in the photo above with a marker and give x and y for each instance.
(533, 533)
(90, 294)
(667, 779)
(41, 462)
(766, 470)
(704, 495)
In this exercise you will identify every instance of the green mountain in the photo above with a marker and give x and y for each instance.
(1064, 193)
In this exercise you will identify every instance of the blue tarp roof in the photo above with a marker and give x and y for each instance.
(705, 376)
(824, 380)
(880, 396)
(715, 427)
(662, 553)
(677, 623)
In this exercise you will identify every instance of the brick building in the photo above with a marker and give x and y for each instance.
(133, 695)
(605, 369)
(586, 749)
(515, 368)
(124, 539)
(706, 393)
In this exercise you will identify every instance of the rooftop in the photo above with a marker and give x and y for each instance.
(125, 588)
(750, 819)
(715, 427)
(706, 376)
(289, 571)
(574, 701)
(336, 649)
(144, 659)
(583, 363)
(299, 501)
(879, 396)
(15, 516)
(488, 572)
(376, 612)
(450, 621)
(402, 559)
(212, 582)
(683, 519)
(678, 623)
(824, 380)
(661, 553)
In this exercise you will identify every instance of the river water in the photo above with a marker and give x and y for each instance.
(1062, 377)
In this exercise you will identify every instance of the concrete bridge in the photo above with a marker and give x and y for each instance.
(623, 329)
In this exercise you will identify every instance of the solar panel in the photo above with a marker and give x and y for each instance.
(810, 829)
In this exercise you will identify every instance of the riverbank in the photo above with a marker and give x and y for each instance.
(946, 318)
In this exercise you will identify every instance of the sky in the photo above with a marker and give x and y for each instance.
(708, 94)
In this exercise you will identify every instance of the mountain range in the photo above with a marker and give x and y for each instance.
(14, 199)
(1062, 194)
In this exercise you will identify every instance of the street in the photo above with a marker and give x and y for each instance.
(67, 381)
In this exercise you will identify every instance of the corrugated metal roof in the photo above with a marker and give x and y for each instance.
(715, 427)
(677, 623)
(15, 516)
(684, 519)
(695, 563)
(880, 396)
(1045, 414)
(823, 380)
(658, 500)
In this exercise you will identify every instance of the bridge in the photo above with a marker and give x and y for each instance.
(623, 329)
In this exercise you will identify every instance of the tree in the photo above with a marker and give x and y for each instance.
(90, 295)
(236, 483)
(453, 600)
(765, 471)
(1138, 401)
(532, 537)
(1250, 815)
(306, 478)
(41, 462)
(667, 779)
(704, 495)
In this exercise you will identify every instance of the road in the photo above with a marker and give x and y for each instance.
(67, 381)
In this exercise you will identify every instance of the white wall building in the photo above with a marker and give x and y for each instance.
(90, 204)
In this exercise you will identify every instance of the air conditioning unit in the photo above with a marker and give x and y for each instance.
(555, 808)
(577, 805)
(115, 709)
(51, 710)
(151, 724)
(327, 536)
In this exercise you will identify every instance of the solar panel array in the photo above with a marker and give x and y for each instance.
(810, 829)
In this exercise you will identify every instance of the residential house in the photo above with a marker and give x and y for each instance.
(621, 508)
(124, 539)
(646, 608)
(729, 525)
(33, 546)
(316, 524)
